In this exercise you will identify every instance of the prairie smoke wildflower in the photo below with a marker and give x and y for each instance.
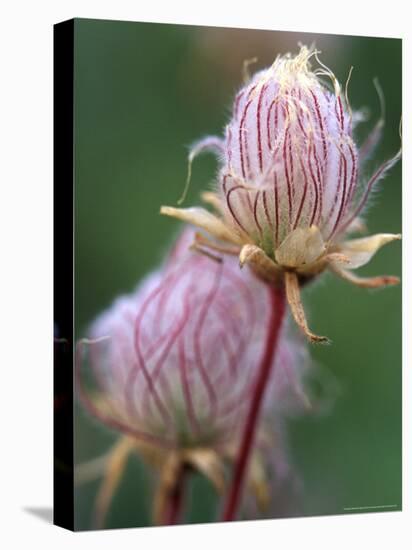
(289, 186)
(174, 366)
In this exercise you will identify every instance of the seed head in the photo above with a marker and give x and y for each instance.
(289, 188)
(177, 359)
(174, 363)
(289, 158)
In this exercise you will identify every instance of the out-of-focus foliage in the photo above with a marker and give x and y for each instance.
(143, 93)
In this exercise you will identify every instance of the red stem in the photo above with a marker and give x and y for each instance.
(277, 311)
(174, 508)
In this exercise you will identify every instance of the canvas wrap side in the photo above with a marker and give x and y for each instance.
(63, 273)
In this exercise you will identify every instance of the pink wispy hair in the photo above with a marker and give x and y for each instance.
(175, 362)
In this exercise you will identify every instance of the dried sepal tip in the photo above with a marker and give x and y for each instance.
(296, 307)
(366, 282)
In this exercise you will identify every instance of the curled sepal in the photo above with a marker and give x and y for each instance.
(204, 242)
(112, 472)
(301, 247)
(260, 262)
(204, 220)
(336, 258)
(296, 307)
(91, 470)
(365, 282)
(258, 482)
(213, 199)
(360, 251)
(208, 463)
(169, 479)
(175, 464)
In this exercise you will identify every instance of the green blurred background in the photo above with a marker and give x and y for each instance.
(143, 93)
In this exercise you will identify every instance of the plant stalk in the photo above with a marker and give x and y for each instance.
(174, 507)
(277, 311)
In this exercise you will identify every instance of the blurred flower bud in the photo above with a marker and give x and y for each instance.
(174, 364)
(176, 360)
